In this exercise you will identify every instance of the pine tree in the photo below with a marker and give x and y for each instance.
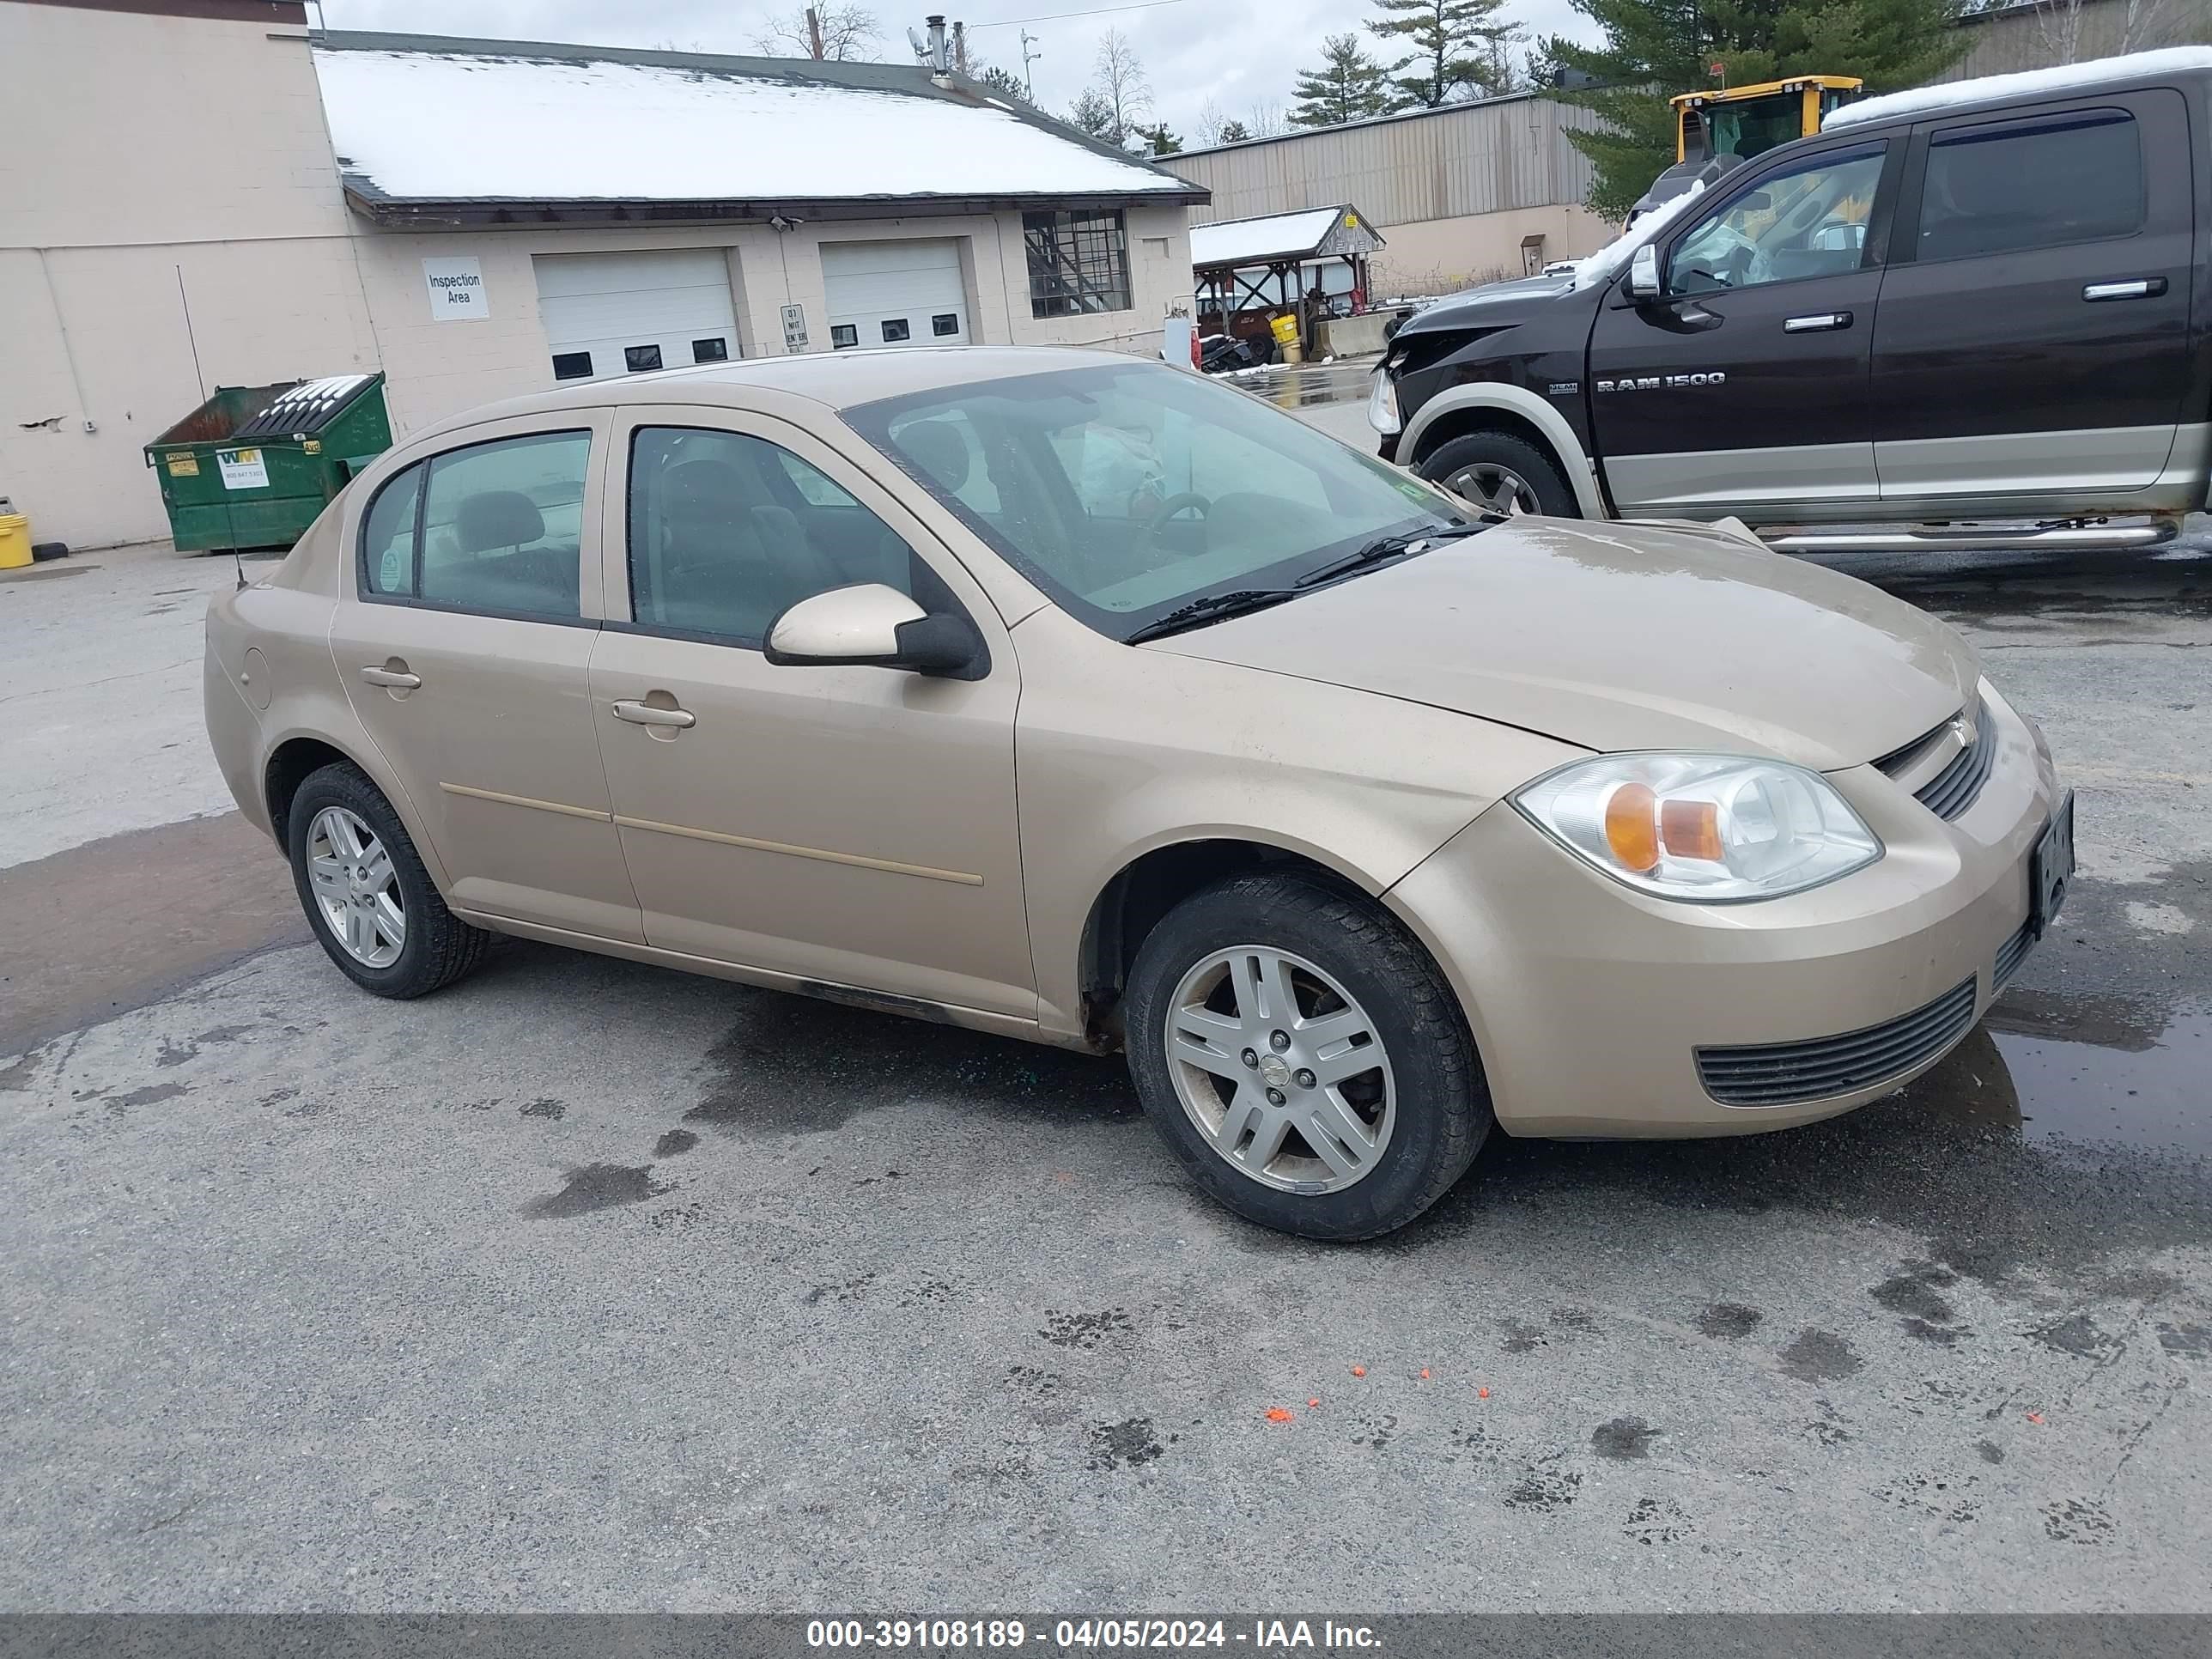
(1092, 113)
(1234, 132)
(1655, 48)
(1005, 84)
(1157, 140)
(1349, 85)
(1450, 38)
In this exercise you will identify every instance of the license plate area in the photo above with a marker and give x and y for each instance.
(2051, 868)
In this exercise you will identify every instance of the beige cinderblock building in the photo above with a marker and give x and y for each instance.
(209, 194)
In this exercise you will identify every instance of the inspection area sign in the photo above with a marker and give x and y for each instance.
(457, 290)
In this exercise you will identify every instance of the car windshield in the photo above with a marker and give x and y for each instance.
(1128, 491)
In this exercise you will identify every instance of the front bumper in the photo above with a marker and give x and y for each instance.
(1589, 1001)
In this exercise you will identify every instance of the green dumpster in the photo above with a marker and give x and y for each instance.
(254, 464)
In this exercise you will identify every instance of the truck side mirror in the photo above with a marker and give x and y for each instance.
(1643, 273)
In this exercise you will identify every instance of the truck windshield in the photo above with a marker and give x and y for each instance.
(1756, 124)
(1126, 492)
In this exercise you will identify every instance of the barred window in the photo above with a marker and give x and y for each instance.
(1078, 262)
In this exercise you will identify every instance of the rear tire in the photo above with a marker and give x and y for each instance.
(1499, 472)
(1304, 1058)
(361, 881)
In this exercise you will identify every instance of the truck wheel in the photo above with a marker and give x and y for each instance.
(1303, 1058)
(1502, 474)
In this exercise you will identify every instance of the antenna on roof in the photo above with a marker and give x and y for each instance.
(921, 47)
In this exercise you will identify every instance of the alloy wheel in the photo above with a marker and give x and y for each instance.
(1494, 489)
(1281, 1069)
(355, 888)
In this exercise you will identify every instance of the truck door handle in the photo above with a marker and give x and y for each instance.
(644, 713)
(392, 679)
(2143, 287)
(1816, 322)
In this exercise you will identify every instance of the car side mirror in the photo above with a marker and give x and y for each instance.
(1643, 273)
(875, 626)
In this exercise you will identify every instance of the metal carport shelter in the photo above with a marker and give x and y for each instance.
(1222, 255)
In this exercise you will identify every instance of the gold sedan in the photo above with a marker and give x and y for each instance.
(1080, 700)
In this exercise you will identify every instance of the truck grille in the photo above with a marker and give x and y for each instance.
(1780, 1073)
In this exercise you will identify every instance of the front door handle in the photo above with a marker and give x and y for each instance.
(2142, 287)
(1816, 322)
(392, 679)
(645, 714)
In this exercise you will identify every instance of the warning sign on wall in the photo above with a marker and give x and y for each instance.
(457, 290)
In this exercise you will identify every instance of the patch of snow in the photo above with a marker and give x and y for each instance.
(2066, 77)
(1233, 241)
(449, 126)
(1601, 267)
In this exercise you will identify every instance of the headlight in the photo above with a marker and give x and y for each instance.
(1710, 827)
(1382, 402)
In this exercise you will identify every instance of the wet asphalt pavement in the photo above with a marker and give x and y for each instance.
(586, 1284)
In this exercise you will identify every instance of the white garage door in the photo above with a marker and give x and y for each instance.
(894, 293)
(609, 314)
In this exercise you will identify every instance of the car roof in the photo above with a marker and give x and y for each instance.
(2133, 70)
(835, 379)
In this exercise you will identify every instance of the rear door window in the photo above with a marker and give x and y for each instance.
(501, 526)
(2001, 188)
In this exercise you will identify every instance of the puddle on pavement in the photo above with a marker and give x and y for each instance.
(2076, 1076)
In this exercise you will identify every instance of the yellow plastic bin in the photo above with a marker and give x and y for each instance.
(15, 541)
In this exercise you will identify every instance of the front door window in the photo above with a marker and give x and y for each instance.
(1808, 220)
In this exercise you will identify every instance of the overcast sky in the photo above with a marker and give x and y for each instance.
(1236, 52)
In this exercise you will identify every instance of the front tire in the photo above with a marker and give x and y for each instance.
(373, 906)
(1304, 1058)
(1500, 473)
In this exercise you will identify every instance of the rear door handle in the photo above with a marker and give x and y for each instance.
(2142, 287)
(1815, 323)
(392, 678)
(644, 713)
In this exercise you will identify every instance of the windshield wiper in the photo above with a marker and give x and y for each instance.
(1210, 608)
(1384, 547)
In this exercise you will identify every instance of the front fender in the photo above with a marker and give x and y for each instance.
(1364, 784)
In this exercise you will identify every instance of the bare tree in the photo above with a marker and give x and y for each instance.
(2135, 26)
(1265, 119)
(849, 33)
(1206, 130)
(1122, 87)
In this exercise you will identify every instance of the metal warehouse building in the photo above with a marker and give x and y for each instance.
(1460, 194)
(211, 194)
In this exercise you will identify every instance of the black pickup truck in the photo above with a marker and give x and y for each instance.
(1974, 313)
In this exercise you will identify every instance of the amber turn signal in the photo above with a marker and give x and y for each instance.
(1631, 827)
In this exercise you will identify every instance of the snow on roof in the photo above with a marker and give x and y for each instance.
(1251, 241)
(475, 124)
(1992, 88)
(305, 408)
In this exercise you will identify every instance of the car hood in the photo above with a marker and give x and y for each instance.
(1498, 305)
(1623, 636)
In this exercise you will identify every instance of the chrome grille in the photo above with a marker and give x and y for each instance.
(2010, 954)
(1779, 1074)
(1953, 789)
